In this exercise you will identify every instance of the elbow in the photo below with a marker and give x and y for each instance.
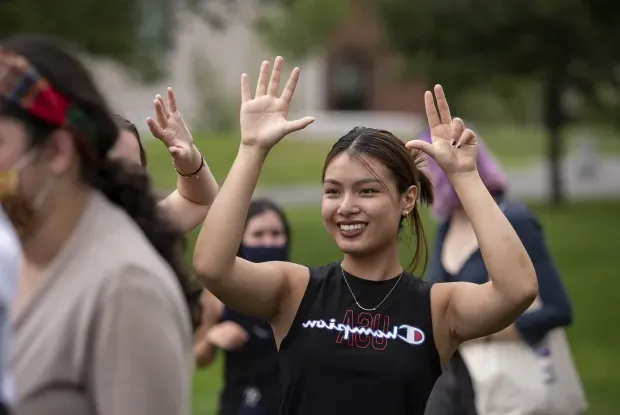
(209, 269)
(528, 291)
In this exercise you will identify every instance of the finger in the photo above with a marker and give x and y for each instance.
(261, 86)
(163, 104)
(466, 138)
(291, 84)
(456, 130)
(442, 105)
(431, 111)
(160, 114)
(245, 88)
(423, 146)
(155, 129)
(172, 101)
(274, 82)
(299, 124)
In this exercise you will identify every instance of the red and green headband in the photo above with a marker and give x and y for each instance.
(23, 86)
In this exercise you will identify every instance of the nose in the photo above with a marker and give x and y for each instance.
(348, 206)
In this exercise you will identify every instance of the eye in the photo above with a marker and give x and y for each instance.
(330, 191)
(368, 191)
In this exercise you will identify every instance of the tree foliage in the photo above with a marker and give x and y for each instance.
(135, 32)
(566, 45)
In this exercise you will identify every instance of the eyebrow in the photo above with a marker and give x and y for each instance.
(357, 182)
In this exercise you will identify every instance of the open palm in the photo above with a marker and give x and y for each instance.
(453, 147)
(170, 128)
(263, 120)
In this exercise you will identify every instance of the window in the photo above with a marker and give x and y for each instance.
(350, 81)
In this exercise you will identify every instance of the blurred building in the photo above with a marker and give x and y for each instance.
(353, 82)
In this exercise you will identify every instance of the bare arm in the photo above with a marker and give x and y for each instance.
(184, 213)
(253, 289)
(189, 204)
(463, 311)
(204, 350)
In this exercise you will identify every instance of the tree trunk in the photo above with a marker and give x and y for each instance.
(554, 121)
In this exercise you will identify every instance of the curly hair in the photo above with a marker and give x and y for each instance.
(128, 188)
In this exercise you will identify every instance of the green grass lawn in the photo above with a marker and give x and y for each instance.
(580, 237)
(303, 160)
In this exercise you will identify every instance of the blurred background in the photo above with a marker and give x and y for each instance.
(537, 79)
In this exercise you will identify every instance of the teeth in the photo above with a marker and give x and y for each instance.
(355, 227)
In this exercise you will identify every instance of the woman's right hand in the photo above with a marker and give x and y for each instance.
(263, 119)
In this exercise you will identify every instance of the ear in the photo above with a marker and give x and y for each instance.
(408, 200)
(61, 152)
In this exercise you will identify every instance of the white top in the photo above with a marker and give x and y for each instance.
(10, 258)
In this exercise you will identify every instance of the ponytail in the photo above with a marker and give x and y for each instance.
(425, 196)
(130, 189)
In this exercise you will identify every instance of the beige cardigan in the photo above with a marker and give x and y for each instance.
(108, 331)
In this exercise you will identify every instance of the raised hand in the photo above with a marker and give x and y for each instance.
(263, 119)
(453, 147)
(172, 131)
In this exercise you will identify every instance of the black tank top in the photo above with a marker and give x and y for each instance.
(251, 379)
(339, 359)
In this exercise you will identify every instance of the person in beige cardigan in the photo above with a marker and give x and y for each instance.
(105, 305)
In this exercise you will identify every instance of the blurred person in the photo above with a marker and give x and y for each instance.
(362, 335)
(187, 206)
(10, 254)
(251, 377)
(457, 257)
(105, 307)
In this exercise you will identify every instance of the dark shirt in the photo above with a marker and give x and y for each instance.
(251, 376)
(338, 359)
(556, 310)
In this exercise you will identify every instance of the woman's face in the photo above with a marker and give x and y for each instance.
(360, 212)
(35, 182)
(126, 148)
(265, 230)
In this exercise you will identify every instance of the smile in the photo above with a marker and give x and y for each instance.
(353, 227)
(351, 230)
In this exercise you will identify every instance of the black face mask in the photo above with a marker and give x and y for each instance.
(264, 254)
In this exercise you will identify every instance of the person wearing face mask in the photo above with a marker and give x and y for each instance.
(105, 305)
(251, 379)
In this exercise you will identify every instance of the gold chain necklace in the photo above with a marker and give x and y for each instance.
(355, 299)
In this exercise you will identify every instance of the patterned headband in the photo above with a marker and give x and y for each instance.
(22, 85)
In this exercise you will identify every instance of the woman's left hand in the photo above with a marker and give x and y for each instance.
(172, 131)
(453, 147)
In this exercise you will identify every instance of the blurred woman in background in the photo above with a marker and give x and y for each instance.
(457, 257)
(251, 379)
(196, 188)
(105, 305)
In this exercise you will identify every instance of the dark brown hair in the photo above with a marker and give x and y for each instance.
(386, 148)
(128, 188)
(124, 124)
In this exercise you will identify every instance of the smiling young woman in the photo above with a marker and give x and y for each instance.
(362, 335)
